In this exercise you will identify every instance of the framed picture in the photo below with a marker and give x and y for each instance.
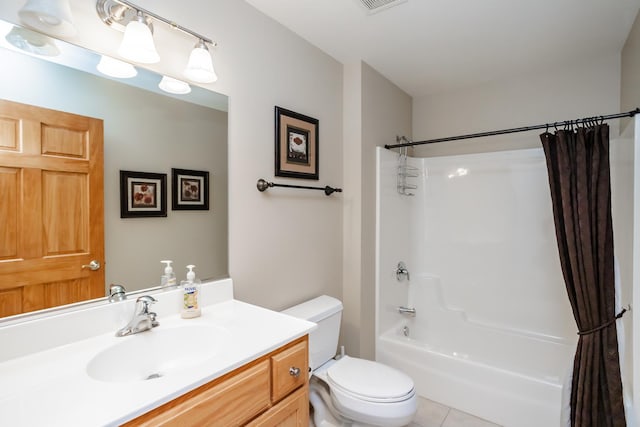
(296, 145)
(143, 194)
(189, 190)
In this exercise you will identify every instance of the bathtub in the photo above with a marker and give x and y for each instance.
(510, 377)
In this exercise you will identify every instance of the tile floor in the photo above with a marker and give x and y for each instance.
(433, 414)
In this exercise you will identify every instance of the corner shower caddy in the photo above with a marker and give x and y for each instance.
(404, 170)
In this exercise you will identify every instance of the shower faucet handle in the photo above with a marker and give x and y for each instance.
(402, 272)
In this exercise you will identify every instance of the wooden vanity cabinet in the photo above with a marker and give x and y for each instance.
(272, 390)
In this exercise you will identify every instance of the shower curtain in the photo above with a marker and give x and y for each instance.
(579, 179)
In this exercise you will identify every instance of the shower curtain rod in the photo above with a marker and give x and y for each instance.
(515, 130)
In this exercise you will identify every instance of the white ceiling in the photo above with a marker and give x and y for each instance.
(431, 46)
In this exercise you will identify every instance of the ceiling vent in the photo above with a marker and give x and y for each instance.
(375, 6)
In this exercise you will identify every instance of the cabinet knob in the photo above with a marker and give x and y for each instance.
(294, 372)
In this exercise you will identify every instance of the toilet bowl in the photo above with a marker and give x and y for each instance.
(348, 391)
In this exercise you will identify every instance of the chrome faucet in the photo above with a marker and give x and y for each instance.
(142, 320)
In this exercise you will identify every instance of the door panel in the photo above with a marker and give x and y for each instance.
(9, 188)
(51, 176)
(65, 211)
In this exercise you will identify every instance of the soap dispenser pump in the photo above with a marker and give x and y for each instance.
(168, 279)
(191, 294)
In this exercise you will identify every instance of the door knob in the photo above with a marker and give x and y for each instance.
(93, 265)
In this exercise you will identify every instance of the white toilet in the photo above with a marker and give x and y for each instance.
(347, 391)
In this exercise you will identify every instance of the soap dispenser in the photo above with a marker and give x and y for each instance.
(168, 279)
(191, 294)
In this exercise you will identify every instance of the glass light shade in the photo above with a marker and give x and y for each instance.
(49, 16)
(137, 43)
(115, 68)
(32, 42)
(171, 85)
(200, 66)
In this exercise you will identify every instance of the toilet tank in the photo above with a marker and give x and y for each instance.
(326, 311)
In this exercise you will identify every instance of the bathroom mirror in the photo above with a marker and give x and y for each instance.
(145, 130)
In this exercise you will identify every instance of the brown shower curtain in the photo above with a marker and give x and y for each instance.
(578, 168)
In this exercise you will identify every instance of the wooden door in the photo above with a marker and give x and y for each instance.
(51, 208)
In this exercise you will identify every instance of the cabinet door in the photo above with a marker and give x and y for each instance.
(293, 411)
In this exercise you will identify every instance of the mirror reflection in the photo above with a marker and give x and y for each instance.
(144, 130)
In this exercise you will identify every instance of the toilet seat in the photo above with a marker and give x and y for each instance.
(369, 381)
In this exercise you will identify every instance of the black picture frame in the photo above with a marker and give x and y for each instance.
(296, 145)
(189, 190)
(143, 194)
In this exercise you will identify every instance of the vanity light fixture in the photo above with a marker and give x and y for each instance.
(113, 67)
(136, 22)
(171, 85)
(137, 43)
(32, 42)
(49, 16)
(200, 66)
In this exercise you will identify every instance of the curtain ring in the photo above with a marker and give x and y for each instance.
(546, 128)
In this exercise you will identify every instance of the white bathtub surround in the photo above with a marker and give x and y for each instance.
(493, 332)
(44, 362)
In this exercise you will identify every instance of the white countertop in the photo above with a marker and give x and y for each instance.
(52, 387)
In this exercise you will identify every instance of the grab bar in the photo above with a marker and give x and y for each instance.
(407, 310)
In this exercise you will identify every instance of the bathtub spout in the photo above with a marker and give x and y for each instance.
(407, 310)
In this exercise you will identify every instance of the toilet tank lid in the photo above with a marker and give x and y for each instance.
(316, 309)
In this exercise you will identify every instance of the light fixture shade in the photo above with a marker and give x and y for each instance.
(171, 85)
(49, 16)
(137, 43)
(32, 42)
(200, 66)
(115, 68)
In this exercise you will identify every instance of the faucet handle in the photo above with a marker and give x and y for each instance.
(144, 302)
(152, 318)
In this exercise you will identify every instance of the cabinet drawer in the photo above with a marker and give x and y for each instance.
(231, 402)
(289, 370)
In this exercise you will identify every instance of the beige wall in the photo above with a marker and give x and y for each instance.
(630, 80)
(378, 111)
(352, 209)
(563, 93)
(285, 245)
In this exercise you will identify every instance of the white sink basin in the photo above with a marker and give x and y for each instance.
(157, 352)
